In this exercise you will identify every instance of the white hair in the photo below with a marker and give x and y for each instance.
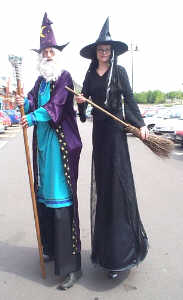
(50, 69)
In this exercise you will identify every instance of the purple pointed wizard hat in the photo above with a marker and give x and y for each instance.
(104, 39)
(47, 38)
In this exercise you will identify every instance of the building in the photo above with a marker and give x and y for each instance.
(7, 94)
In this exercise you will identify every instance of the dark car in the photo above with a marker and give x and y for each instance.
(14, 116)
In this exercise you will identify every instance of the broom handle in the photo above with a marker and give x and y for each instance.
(100, 108)
(32, 187)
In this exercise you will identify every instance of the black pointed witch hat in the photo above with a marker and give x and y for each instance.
(104, 39)
(47, 37)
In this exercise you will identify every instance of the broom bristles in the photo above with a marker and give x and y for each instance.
(159, 145)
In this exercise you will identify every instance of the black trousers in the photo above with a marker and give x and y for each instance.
(57, 239)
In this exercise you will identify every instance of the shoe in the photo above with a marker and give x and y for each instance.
(113, 274)
(48, 258)
(70, 280)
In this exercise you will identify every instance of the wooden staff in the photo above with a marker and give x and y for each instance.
(16, 62)
(159, 145)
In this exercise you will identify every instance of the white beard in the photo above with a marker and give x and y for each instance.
(50, 70)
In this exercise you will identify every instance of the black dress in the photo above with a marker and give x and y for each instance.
(118, 238)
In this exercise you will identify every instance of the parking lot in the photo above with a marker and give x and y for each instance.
(158, 185)
(13, 131)
(167, 121)
(9, 134)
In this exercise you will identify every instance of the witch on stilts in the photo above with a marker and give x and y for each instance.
(119, 240)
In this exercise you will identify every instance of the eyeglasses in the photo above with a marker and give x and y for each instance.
(102, 51)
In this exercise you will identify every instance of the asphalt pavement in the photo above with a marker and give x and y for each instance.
(159, 191)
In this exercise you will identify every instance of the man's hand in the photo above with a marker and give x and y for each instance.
(23, 122)
(20, 99)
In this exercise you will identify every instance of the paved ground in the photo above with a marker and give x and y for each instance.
(10, 133)
(159, 191)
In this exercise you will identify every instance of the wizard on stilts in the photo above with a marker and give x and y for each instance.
(56, 152)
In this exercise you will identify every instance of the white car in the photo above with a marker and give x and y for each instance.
(152, 120)
(2, 129)
(170, 123)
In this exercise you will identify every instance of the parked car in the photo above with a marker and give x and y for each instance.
(178, 137)
(2, 129)
(149, 113)
(170, 123)
(14, 116)
(178, 133)
(6, 119)
(153, 119)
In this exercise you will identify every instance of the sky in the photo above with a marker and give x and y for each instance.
(156, 27)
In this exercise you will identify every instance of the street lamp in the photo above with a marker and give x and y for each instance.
(132, 51)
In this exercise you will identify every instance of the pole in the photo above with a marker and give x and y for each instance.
(31, 182)
(132, 51)
(132, 65)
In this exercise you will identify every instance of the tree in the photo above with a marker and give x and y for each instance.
(159, 97)
(140, 97)
(150, 97)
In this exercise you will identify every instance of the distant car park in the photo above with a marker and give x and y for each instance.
(170, 122)
(152, 118)
(6, 119)
(2, 129)
(14, 116)
(150, 112)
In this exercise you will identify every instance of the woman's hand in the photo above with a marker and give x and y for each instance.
(144, 133)
(80, 99)
(20, 100)
(23, 122)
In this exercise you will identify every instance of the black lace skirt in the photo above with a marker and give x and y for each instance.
(119, 240)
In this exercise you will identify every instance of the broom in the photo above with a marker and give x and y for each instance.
(161, 146)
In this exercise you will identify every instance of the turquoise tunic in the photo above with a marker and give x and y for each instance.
(53, 189)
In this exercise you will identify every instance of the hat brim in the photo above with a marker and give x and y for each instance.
(60, 48)
(90, 50)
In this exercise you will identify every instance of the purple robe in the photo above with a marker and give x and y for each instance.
(63, 120)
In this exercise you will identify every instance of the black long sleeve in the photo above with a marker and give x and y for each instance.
(83, 106)
(132, 112)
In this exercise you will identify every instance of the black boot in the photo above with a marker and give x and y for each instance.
(70, 280)
(48, 258)
(113, 274)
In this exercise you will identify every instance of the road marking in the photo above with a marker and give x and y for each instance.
(15, 131)
(7, 135)
(2, 144)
